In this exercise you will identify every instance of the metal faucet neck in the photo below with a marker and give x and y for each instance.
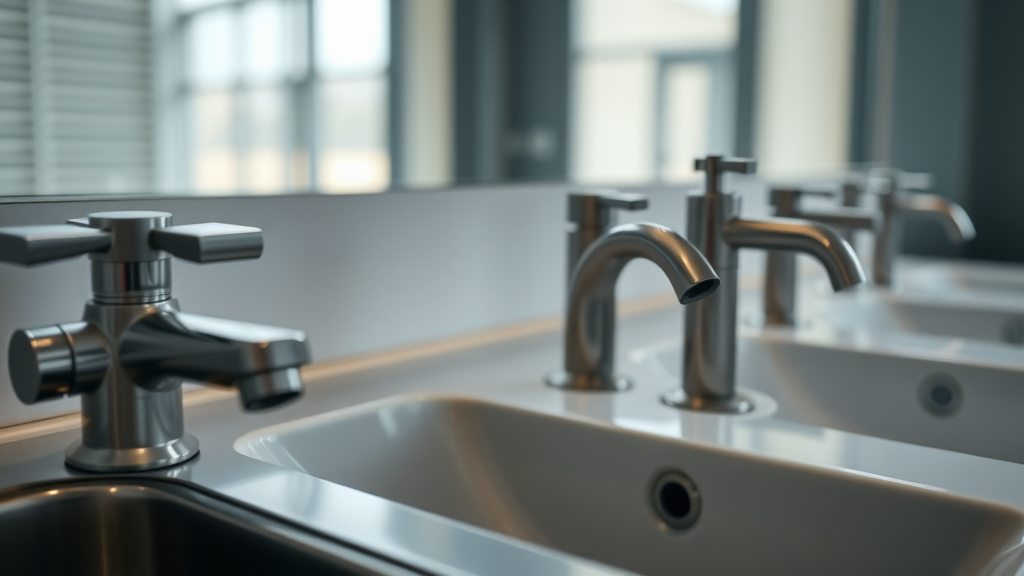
(129, 356)
(590, 314)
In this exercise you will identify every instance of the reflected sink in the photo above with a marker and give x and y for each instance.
(948, 276)
(992, 317)
(147, 527)
(645, 503)
(958, 395)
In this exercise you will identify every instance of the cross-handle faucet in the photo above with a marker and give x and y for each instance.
(716, 228)
(896, 202)
(129, 355)
(780, 270)
(590, 338)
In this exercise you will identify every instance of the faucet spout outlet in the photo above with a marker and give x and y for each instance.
(134, 348)
(590, 314)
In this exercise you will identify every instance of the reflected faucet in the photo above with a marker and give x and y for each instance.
(718, 231)
(897, 202)
(589, 337)
(780, 271)
(129, 355)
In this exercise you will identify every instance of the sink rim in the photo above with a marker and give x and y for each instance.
(303, 539)
(247, 445)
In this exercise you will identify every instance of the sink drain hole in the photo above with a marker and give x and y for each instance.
(675, 500)
(940, 394)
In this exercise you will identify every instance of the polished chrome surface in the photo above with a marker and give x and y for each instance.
(716, 228)
(150, 527)
(38, 244)
(210, 242)
(590, 311)
(146, 282)
(780, 271)
(592, 213)
(55, 361)
(129, 357)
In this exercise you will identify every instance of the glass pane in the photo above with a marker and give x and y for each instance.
(264, 123)
(189, 5)
(212, 43)
(656, 24)
(687, 115)
(214, 160)
(267, 51)
(621, 46)
(614, 120)
(353, 154)
(352, 36)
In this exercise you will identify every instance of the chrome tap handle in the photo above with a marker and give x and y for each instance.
(139, 237)
(27, 245)
(592, 211)
(57, 361)
(715, 167)
(210, 242)
(786, 199)
(594, 207)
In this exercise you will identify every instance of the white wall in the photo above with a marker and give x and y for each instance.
(357, 273)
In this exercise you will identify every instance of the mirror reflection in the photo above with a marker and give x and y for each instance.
(354, 96)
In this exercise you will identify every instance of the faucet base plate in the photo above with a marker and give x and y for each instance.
(83, 457)
(738, 404)
(587, 382)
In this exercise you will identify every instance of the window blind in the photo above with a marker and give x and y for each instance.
(76, 99)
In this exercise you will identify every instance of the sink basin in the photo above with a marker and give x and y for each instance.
(944, 393)
(963, 276)
(148, 527)
(995, 317)
(641, 502)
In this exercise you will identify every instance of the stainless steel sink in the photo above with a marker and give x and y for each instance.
(153, 527)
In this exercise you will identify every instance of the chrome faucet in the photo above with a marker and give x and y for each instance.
(896, 202)
(129, 355)
(718, 231)
(780, 271)
(590, 337)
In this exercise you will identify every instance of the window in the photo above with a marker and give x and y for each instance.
(75, 97)
(653, 87)
(279, 95)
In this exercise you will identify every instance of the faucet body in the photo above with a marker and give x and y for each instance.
(896, 203)
(134, 348)
(590, 338)
(716, 228)
(780, 271)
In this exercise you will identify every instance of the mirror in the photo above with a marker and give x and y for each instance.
(353, 96)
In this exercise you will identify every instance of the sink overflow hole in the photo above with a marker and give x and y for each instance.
(940, 394)
(675, 500)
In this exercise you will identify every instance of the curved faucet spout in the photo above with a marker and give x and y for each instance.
(844, 218)
(953, 218)
(818, 240)
(590, 318)
(160, 349)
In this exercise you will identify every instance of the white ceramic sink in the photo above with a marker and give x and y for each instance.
(952, 276)
(948, 393)
(973, 300)
(591, 490)
(994, 317)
